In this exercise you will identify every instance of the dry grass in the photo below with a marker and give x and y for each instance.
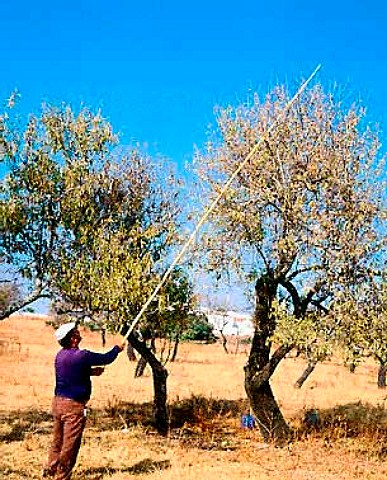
(206, 398)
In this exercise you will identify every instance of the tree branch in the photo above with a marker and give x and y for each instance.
(287, 284)
(264, 375)
(32, 297)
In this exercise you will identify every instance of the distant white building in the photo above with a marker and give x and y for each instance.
(230, 322)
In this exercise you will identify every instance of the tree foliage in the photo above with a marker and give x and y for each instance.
(90, 224)
(365, 330)
(199, 329)
(307, 204)
(82, 218)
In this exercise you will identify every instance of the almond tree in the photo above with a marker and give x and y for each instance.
(302, 220)
(87, 223)
(122, 225)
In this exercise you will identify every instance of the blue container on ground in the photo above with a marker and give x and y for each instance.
(248, 421)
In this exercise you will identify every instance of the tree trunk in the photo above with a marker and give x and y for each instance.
(160, 375)
(352, 367)
(224, 342)
(103, 337)
(261, 366)
(130, 353)
(140, 367)
(308, 370)
(382, 371)
(267, 412)
(270, 420)
(142, 363)
(175, 347)
(237, 345)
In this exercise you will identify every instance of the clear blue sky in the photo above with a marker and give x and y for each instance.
(158, 68)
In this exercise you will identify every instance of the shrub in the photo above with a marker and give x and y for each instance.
(199, 329)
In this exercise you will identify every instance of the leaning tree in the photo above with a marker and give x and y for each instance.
(302, 220)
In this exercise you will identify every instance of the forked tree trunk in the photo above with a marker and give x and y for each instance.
(142, 362)
(160, 375)
(261, 366)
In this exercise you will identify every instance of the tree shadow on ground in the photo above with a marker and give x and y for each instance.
(15, 474)
(349, 420)
(190, 411)
(17, 423)
(364, 424)
(209, 423)
(145, 466)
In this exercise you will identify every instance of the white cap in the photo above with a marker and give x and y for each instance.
(63, 330)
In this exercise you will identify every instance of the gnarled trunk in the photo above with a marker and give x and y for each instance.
(140, 367)
(266, 410)
(224, 341)
(270, 420)
(142, 362)
(160, 375)
(261, 365)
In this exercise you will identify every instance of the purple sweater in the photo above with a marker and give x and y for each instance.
(73, 370)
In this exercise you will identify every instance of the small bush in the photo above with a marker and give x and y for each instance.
(199, 329)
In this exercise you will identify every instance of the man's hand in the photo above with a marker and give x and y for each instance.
(122, 345)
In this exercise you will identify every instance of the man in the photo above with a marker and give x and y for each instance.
(73, 369)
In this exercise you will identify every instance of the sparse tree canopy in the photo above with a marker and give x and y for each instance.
(79, 216)
(303, 220)
(88, 223)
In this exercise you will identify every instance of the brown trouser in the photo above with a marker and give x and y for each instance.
(69, 423)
